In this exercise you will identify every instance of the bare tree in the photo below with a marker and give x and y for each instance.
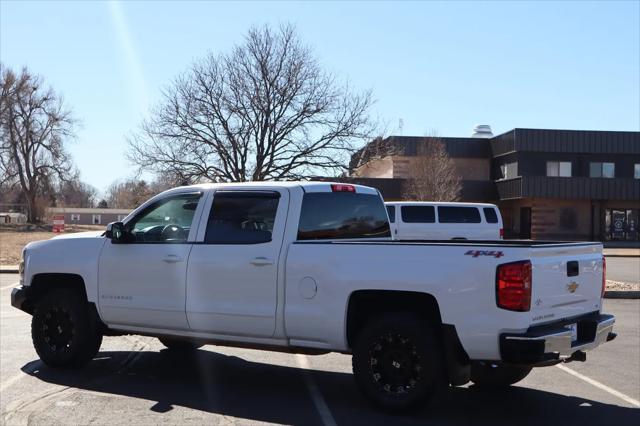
(433, 174)
(264, 111)
(33, 128)
(128, 194)
(379, 148)
(75, 193)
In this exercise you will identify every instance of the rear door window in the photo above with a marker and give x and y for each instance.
(450, 214)
(336, 215)
(490, 215)
(418, 214)
(391, 210)
(242, 217)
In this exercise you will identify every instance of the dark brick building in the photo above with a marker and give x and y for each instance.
(549, 184)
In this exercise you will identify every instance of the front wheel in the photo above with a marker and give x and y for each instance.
(64, 332)
(496, 375)
(397, 362)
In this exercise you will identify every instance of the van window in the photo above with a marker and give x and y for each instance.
(418, 214)
(335, 215)
(391, 210)
(450, 214)
(491, 215)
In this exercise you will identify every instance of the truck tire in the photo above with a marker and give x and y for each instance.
(497, 375)
(179, 345)
(64, 332)
(397, 362)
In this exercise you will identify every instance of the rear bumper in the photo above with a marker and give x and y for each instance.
(19, 297)
(550, 343)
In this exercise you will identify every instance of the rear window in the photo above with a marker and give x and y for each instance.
(449, 214)
(336, 215)
(392, 213)
(418, 214)
(491, 215)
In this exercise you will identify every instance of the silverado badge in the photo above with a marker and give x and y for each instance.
(572, 287)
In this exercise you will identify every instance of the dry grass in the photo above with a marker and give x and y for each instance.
(14, 237)
(620, 286)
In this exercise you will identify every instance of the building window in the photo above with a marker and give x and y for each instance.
(604, 170)
(75, 217)
(636, 171)
(509, 170)
(559, 168)
(97, 219)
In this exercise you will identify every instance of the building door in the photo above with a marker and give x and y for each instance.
(622, 224)
(618, 224)
(525, 222)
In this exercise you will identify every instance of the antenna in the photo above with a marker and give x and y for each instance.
(400, 126)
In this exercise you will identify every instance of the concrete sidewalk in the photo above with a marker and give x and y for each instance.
(622, 252)
(8, 269)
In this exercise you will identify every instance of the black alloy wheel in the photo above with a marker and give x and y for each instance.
(64, 331)
(397, 362)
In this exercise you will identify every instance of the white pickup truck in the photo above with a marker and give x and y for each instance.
(311, 268)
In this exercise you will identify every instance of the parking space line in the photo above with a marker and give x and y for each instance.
(24, 373)
(599, 385)
(316, 395)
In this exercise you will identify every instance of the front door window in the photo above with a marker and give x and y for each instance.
(167, 221)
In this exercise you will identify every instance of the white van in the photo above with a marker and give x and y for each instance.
(444, 221)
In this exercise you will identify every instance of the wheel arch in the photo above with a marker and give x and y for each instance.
(42, 283)
(366, 304)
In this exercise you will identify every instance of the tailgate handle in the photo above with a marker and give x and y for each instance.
(572, 268)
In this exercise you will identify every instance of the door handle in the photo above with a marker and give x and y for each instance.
(261, 261)
(172, 258)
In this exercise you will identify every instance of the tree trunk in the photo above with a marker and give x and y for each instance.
(32, 209)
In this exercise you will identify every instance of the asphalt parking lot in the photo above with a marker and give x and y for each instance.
(134, 381)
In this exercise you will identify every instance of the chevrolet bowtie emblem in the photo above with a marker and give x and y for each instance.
(572, 287)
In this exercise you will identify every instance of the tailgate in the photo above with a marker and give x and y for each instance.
(566, 280)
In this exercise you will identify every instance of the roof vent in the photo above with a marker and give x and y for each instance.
(482, 131)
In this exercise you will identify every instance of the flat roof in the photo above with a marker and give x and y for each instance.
(86, 210)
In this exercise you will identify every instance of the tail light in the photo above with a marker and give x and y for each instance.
(501, 233)
(338, 187)
(604, 276)
(513, 286)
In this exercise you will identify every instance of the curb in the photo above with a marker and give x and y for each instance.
(622, 294)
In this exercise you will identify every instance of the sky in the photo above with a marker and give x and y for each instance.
(437, 67)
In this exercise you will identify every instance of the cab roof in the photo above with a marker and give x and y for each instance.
(307, 186)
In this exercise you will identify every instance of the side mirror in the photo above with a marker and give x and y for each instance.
(115, 232)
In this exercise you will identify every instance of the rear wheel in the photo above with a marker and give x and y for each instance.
(63, 330)
(397, 362)
(497, 375)
(178, 345)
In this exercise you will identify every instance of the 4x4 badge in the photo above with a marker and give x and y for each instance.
(476, 253)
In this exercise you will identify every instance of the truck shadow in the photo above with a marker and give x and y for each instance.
(231, 386)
